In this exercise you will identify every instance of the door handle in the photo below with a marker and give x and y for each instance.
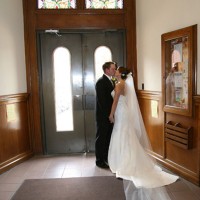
(84, 102)
(89, 102)
(77, 102)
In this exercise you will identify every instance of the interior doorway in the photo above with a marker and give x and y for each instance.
(69, 66)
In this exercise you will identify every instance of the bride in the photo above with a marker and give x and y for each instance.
(128, 154)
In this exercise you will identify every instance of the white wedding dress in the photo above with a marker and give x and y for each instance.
(128, 157)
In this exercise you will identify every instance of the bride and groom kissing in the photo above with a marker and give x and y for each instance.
(121, 139)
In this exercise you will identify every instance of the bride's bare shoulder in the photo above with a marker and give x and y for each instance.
(121, 83)
(120, 86)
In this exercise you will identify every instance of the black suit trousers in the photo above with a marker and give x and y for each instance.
(103, 135)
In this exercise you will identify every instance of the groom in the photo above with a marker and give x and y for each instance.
(104, 100)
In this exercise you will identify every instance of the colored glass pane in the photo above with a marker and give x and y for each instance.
(104, 4)
(56, 4)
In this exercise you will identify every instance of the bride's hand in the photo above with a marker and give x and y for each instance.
(111, 118)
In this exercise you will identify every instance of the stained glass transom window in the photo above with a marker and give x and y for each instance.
(56, 4)
(104, 4)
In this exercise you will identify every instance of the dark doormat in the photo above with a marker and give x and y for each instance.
(83, 188)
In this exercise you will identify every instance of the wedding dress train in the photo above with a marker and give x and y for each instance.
(128, 157)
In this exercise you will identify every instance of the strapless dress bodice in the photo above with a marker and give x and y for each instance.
(121, 98)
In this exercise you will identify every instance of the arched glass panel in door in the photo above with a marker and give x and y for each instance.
(63, 90)
(102, 54)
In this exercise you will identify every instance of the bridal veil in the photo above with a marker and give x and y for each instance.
(134, 188)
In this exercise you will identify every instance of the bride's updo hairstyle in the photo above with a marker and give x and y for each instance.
(124, 71)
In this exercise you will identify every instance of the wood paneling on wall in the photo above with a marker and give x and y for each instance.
(153, 124)
(185, 162)
(15, 143)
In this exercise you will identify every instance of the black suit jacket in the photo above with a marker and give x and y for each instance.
(104, 99)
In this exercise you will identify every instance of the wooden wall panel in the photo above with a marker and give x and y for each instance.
(185, 162)
(15, 140)
(154, 125)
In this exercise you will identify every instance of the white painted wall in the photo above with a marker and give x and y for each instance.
(12, 53)
(155, 17)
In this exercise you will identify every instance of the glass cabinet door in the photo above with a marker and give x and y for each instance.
(179, 68)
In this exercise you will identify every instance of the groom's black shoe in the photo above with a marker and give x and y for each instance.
(102, 165)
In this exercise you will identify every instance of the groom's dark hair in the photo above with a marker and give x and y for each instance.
(106, 65)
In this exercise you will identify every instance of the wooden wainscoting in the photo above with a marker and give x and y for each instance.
(153, 116)
(15, 140)
(183, 161)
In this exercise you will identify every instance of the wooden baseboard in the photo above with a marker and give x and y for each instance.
(181, 171)
(8, 164)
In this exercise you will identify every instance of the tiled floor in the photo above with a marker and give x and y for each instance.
(74, 166)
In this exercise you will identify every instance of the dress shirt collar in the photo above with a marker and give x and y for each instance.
(108, 77)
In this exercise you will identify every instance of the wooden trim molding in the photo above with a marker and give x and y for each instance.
(8, 164)
(144, 94)
(196, 99)
(13, 98)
